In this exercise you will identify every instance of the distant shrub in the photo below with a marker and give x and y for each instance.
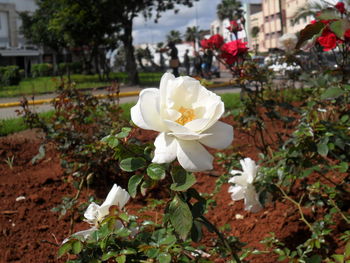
(10, 75)
(72, 67)
(42, 70)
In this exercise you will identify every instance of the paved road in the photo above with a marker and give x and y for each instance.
(8, 113)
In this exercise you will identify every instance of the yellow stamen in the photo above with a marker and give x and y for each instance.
(187, 115)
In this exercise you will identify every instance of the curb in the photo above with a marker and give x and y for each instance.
(103, 96)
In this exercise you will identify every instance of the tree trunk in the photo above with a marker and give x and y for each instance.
(129, 53)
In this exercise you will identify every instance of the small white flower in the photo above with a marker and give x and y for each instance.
(288, 41)
(186, 114)
(94, 214)
(244, 188)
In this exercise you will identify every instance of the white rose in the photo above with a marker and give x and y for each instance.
(94, 214)
(288, 41)
(186, 114)
(116, 196)
(244, 188)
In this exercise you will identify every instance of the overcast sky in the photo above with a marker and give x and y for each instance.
(149, 32)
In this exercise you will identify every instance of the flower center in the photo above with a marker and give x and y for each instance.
(187, 115)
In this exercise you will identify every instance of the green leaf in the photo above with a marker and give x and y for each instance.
(322, 149)
(65, 248)
(332, 93)
(182, 179)
(314, 259)
(180, 216)
(329, 14)
(145, 185)
(164, 258)
(308, 32)
(132, 164)
(347, 250)
(152, 252)
(339, 27)
(196, 231)
(156, 171)
(111, 141)
(77, 246)
(343, 167)
(124, 133)
(134, 181)
(338, 258)
(109, 255)
(121, 259)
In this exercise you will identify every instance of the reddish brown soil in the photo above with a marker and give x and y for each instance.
(30, 232)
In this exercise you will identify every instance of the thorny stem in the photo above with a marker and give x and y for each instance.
(297, 204)
(222, 238)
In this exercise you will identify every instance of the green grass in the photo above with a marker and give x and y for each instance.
(9, 126)
(40, 85)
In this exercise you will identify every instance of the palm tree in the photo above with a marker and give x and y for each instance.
(174, 36)
(192, 35)
(310, 9)
(255, 32)
(230, 9)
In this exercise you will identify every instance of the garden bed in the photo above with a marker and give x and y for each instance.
(30, 232)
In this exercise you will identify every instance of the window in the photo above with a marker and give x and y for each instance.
(266, 19)
(272, 17)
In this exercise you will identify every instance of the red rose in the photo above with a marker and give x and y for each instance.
(232, 50)
(328, 40)
(347, 35)
(216, 41)
(341, 7)
(234, 26)
(205, 43)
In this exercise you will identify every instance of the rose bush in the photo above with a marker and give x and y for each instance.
(186, 114)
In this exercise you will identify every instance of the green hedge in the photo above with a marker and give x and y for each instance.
(42, 70)
(10, 75)
(73, 67)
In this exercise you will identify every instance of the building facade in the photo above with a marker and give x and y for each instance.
(14, 49)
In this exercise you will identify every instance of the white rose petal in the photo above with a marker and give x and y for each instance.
(244, 188)
(186, 114)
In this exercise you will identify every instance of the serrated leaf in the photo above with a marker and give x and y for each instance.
(332, 93)
(182, 179)
(65, 248)
(308, 32)
(134, 181)
(156, 171)
(132, 164)
(164, 258)
(180, 216)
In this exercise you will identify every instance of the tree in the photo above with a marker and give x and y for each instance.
(127, 10)
(174, 36)
(192, 35)
(35, 27)
(255, 32)
(230, 9)
(310, 9)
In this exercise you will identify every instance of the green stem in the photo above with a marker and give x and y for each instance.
(222, 238)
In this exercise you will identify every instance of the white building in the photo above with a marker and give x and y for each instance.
(14, 49)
